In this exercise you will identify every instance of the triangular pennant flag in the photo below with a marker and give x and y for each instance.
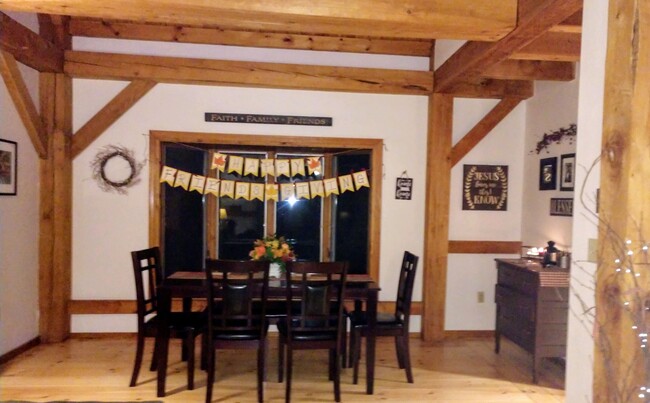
(361, 179)
(271, 192)
(282, 168)
(198, 183)
(168, 175)
(235, 164)
(257, 191)
(182, 179)
(267, 166)
(212, 186)
(242, 190)
(302, 190)
(251, 166)
(218, 162)
(297, 167)
(227, 189)
(317, 189)
(313, 165)
(330, 186)
(287, 191)
(345, 183)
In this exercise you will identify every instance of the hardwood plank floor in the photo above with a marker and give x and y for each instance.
(454, 371)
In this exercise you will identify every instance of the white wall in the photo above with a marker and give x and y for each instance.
(579, 375)
(554, 106)
(19, 223)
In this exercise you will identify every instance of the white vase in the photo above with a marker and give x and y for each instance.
(274, 270)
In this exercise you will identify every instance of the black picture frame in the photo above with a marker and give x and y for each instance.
(8, 167)
(567, 172)
(548, 173)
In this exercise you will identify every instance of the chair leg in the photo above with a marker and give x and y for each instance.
(154, 360)
(352, 344)
(287, 396)
(356, 356)
(138, 359)
(280, 359)
(204, 351)
(344, 345)
(337, 375)
(399, 348)
(211, 369)
(261, 354)
(332, 362)
(407, 358)
(189, 342)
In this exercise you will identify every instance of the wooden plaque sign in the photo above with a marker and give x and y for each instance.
(485, 187)
(562, 207)
(267, 119)
(403, 188)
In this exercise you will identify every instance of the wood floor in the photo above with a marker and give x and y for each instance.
(454, 371)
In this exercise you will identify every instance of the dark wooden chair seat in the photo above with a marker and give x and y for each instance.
(317, 322)
(237, 300)
(395, 324)
(182, 325)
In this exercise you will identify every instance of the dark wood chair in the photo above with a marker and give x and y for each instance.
(318, 321)
(186, 326)
(396, 324)
(237, 295)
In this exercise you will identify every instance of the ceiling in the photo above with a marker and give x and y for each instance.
(510, 43)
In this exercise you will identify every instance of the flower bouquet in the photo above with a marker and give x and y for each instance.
(275, 250)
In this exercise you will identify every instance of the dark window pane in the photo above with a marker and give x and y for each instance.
(351, 216)
(299, 221)
(241, 221)
(183, 210)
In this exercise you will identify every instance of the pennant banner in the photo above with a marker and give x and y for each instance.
(262, 191)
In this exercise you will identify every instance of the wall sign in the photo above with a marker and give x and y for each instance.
(268, 119)
(562, 207)
(547, 173)
(485, 187)
(403, 188)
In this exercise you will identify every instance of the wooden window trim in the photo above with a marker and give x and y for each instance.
(157, 137)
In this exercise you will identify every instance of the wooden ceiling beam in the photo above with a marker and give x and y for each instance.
(23, 101)
(457, 19)
(251, 74)
(473, 57)
(531, 70)
(552, 46)
(482, 129)
(28, 47)
(109, 114)
(491, 88)
(216, 36)
(572, 24)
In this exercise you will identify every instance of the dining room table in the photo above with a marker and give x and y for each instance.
(190, 285)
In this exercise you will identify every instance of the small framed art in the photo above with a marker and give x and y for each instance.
(567, 171)
(548, 173)
(8, 167)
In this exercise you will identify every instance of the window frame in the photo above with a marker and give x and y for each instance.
(157, 137)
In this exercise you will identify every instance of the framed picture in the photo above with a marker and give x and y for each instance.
(547, 173)
(567, 171)
(8, 167)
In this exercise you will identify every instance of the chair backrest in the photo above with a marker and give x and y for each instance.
(148, 275)
(237, 294)
(405, 287)
(319, 288)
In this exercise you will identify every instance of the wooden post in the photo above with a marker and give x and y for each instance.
(622, 357)
(436, 221)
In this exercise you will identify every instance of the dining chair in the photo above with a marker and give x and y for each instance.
(186, 326)
(317, 321)
(395, 324)
(237, 295)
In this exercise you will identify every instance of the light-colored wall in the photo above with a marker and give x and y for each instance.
(579, 375)
(19, 223)
(554, 106)
(107, 226)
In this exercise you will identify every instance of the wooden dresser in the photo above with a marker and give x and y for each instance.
(532, 308)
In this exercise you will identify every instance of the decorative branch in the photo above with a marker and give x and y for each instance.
(557, 137)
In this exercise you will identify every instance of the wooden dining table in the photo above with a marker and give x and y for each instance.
(191, 284)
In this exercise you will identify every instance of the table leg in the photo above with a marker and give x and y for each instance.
(162, 338)
(371, 309)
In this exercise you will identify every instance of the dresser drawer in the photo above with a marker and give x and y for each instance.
(513, 304)
(521, 280)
